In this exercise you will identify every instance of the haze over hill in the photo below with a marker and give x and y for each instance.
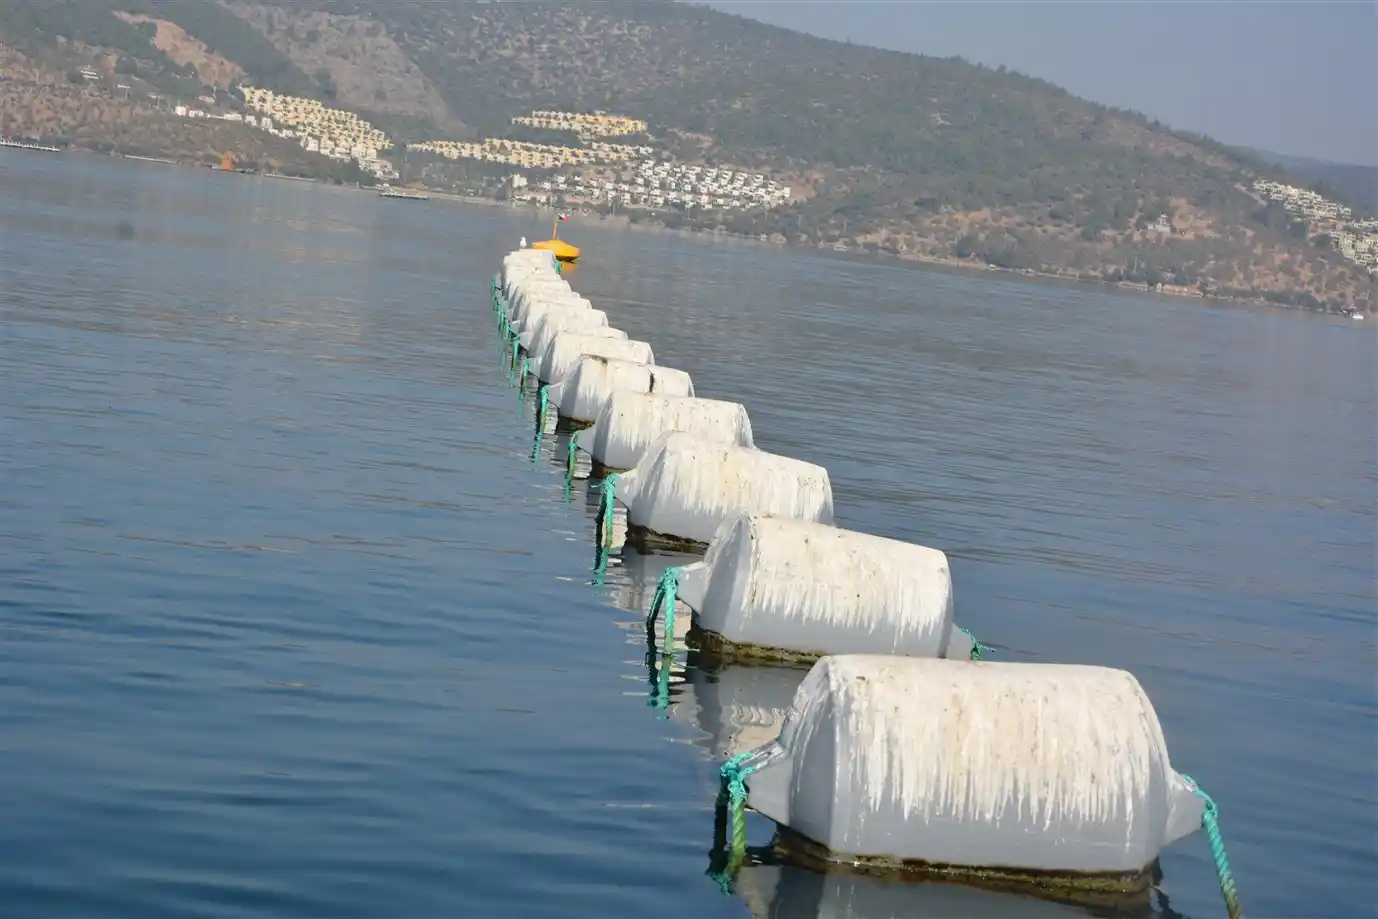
(1293, 77)
(918, 156)
(1351, 182)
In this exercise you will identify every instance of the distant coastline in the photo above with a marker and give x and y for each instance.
(963, 266)
(614, 220)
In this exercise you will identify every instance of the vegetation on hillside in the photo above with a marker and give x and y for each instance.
(39, 28)
(918, 156)
(355, 64)
(46, 105)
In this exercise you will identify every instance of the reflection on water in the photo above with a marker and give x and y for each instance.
(736, 707)
(782, 892)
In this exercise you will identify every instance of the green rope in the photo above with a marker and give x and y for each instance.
(733, 774)
(665, 597)
(542, 406)
(1210, 821)
(572, 458)
(977, 649)
(512, 365)
(606, 507)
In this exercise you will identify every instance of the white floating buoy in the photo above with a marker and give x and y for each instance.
(581, 394)
(528, 295)
(809, 589)
(631, 421)
(527, 264)
(545, 322)
(684, 487)
(568, 346)
(523, 242)
(989, 766)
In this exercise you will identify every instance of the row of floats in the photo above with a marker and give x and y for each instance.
(901, 749)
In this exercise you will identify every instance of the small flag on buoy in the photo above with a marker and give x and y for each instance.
(564, 218)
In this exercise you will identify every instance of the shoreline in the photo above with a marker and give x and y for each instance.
(944, 262)
(622, 222)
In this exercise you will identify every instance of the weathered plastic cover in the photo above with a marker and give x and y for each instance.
(582, 394)
(684, 486)
(526, 299)
(535, 307)
(557, 317)
(537, 280)
(631, 421)
(514, 277)
(522, 264)
(807, 587)
(1048, 767)
(554, 320)
(774, 891)
(564, 352)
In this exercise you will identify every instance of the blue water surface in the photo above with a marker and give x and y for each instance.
(291, 624)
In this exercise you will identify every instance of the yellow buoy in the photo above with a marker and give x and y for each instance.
(562, 250)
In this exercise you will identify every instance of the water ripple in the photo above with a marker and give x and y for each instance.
(291, 624)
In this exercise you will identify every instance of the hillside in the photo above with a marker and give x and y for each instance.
(38, 100)
(917, 156)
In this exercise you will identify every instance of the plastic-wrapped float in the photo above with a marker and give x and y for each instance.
(582, 393)
(773, 588)
(568, 346)
(525, 319)
(514, 262)
(631, 421)
(515, 278)
(683, 487)
(537, 283)
(526, 301)
(545, 322)
(1049, 775)
(522, 263)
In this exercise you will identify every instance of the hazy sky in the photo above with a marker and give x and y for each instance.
(1298, 78)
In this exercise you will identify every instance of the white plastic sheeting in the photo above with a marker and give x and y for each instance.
(581, 395)
(817, 589)
(554, 320)
(1045, 767)
(526, 298)
(518, 273)
(526, 261)
(564, 352)
(533, 308)
(631, 421)
(684, 486)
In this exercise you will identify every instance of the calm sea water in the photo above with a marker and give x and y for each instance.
(292, 625)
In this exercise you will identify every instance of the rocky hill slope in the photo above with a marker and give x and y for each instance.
(918, 156)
